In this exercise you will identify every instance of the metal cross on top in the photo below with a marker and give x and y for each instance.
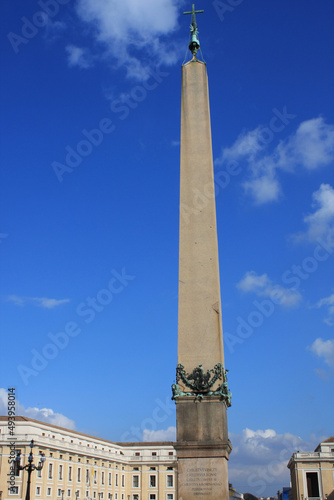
(193, 12)
(194, 40)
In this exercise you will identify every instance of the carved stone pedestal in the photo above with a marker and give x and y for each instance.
(202, 448)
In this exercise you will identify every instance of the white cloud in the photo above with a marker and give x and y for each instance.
(126, 28)
(41, 414)
(248, 144)
(160, 435)
(77, 56)
(329, 302)
(264, 287)
(324, 349)
(264, 188)
(37, 301)
(321, 222)
(310, 147)
(258, 462)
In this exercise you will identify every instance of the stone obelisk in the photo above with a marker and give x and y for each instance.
(201, 392)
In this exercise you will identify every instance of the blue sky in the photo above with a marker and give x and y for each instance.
(90, 129)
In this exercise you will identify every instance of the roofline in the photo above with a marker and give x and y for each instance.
(4, 418)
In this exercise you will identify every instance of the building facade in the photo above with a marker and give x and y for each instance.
(82, 467)
(312, 474)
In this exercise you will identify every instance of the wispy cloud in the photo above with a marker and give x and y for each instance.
(53, 30)
(160, 435)
(78, 56)
(324, 349)
(258, 462)
(320, 223)
(263, 286)
(124, 29)
(42, 414)
(310, 147)
(44, 302)
(329, 302)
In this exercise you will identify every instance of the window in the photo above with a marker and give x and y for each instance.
(153, 496)
(60, 475)
(109, 479)
(116, 480)
(68, 493)
(61, 457)
(102, 477)
(123, 480)
(135, 497)
(94, 494)
(170, 453)
(59, 492)
(50, 471)
(70, 473)
(51, 454)
(154, 453)
(153, 468)
(79, 475)
(170, 496)
(39, 473)
(312, 484)
(38, 490)
(95, 477)
(153, 481)
(137, 454)
(14, 490)
(135, 481)
(87, 476)
(170, 482)
(48, 492)
(136, 468)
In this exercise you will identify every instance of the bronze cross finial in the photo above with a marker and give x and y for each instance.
(194, 41)
(193, 12)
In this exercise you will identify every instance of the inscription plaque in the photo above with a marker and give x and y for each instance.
(202, 478)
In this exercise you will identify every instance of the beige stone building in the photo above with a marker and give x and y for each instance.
(82, 467)
(312, 474)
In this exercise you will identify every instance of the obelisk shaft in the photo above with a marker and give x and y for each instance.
(202, 440)
(200, 338)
